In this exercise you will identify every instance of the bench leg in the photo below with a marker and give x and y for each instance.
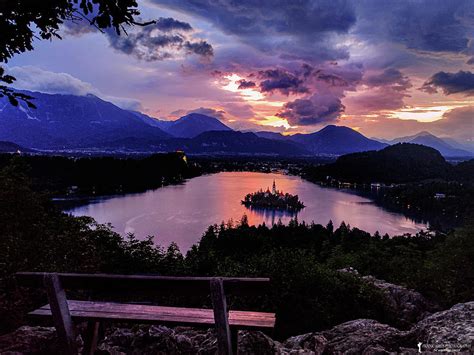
(60, 312)
(234, 338)
(219, 304)
(91, 338)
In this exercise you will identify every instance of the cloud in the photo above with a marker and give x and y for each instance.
(170, 24)
(282, 81)
(313, 110)
(245, 84)
(389, 77)
(450, 83)
(379, 91)
(423, 25)
(220, 114)
(166, 39)
(151, 43)
(301, 30)
(36, 79)
(240, 111)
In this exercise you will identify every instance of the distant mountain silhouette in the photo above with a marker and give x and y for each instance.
(194, 124)
(430, 140)
(333, 140)
(9, 147)
(336, 140)
(214, 142)
(68, 121)
(154, 122)
(271, 135)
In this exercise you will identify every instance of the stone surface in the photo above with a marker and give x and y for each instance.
(408, 306)
(450, 330)
(361, 336)
(30, 340)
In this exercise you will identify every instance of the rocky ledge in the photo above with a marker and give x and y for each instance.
(450, 330)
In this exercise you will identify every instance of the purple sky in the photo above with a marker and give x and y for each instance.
(385, 68)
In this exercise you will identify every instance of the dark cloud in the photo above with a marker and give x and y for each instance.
(159, 41)
(150, 43)
(313, 110)
(170, 24)
(470, 61)
(282, 81)
(201, 48)
(424, 25)
(450, 83)
(292, 29)
(389, 77)
(244, 84)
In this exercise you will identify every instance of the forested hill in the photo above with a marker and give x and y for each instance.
(100, 175)
(400, 163)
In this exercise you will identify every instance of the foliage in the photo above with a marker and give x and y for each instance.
(102, 175)
(22, 21)
(307, 293)
(399, 163)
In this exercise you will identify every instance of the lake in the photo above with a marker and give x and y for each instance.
(182, 213)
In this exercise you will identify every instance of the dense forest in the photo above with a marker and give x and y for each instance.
(101, 175)
(308, 293)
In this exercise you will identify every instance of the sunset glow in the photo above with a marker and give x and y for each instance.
(296, 71)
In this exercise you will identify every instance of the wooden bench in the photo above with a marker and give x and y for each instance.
(227, 322)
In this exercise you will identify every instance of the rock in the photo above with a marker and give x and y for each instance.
(313, 342)
(406, 305)
(30, 340)
(158, 340)
(251, 343)
(362, 336)
(451, 330)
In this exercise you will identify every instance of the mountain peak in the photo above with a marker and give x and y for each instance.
(193, 124)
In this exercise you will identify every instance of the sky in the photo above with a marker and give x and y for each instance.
(385, 68)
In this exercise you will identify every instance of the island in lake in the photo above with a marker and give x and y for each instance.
(273, 200)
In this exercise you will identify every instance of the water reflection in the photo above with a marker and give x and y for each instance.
(182, 213)
(272, 215)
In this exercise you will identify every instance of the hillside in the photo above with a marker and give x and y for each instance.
(9, 147)
(194, 124)
(68, 121)
(403, 162)
(336, 140)
(430, 140)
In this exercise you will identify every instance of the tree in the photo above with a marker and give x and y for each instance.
(22, 21)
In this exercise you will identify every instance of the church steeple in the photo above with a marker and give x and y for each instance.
(274, 189)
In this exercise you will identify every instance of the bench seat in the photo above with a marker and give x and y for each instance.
(86, 310)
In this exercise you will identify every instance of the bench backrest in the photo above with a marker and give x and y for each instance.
(197, 286)
(217, 287)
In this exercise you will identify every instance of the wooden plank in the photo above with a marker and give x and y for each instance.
(219, 303)
(91, 338)
(60, 313)
(165, 284)
(169, 315)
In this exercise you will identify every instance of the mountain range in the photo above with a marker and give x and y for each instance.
(335, 140)
(430, 140)
(68, 122)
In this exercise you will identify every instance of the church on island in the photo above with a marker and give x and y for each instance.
(273, 199)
